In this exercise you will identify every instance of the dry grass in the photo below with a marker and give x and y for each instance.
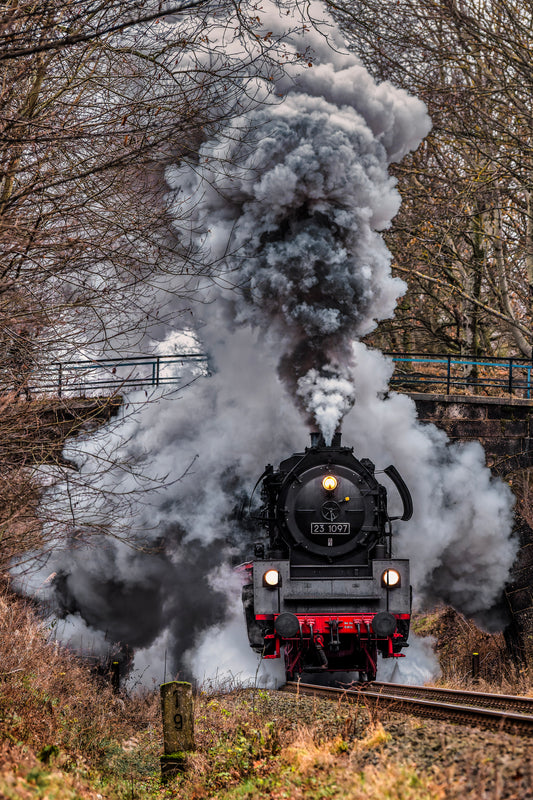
(457, 638)
(305, 753)
(20, 528)
(67, 737)
(310, 767)
(50, 703)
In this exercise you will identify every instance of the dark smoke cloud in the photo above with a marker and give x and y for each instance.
(172, 592)
(288, 201)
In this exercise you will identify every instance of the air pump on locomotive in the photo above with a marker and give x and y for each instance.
(323, 586)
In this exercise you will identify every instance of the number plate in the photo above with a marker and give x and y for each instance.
(330, 527)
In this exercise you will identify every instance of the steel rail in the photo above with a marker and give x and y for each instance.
(499, 719)
(507, 702)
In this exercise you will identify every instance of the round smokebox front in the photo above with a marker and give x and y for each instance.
(325, 520)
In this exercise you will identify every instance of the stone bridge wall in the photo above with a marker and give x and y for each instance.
(504, 426)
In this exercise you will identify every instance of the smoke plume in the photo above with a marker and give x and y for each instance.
(288, 202)
(284, 205)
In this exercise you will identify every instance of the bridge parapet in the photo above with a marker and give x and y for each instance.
(503, 425)
(101, 377)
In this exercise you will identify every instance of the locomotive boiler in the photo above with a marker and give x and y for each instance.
(322, 587)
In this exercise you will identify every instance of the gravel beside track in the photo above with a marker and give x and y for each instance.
(468, 763)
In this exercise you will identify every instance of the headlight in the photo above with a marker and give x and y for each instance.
(329, 483)
(391, 578)
(271, 578)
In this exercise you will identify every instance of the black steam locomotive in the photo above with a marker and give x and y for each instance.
(322, 585)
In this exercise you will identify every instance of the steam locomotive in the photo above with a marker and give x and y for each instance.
(322, 585)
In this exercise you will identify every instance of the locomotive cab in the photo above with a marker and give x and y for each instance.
(323, 585)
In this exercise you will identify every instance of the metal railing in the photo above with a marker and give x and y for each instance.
(423, 372)
(108, 375)
(450, 374)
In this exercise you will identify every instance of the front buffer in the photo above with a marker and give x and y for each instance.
(328, 624)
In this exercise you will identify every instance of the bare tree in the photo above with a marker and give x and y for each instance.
(462, 239)
(88, 129)
(85, 132)
(96, 100)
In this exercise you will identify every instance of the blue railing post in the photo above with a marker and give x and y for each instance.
(448, 374)
(157, 371)
(510, 376)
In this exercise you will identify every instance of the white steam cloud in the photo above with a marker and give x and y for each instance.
(419, 666)
(328, 398)
(287, 202)
(459, 537)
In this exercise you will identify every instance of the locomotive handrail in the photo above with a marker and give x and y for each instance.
(403, 491)
(488, 374)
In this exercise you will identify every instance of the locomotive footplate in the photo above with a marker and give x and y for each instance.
(329, 630)
(359, 625)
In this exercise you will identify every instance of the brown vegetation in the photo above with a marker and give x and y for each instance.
(86, 126)
(54, 712)
(456, 638)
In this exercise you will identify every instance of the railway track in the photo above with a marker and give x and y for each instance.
(499, 712)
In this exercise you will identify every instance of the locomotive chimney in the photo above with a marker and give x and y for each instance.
(317, 440)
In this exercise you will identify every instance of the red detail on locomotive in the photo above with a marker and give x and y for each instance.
(315, 627)
(347, 622)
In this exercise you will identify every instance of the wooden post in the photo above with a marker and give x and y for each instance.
(475, 666)
(115, 676)
(178, 726)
